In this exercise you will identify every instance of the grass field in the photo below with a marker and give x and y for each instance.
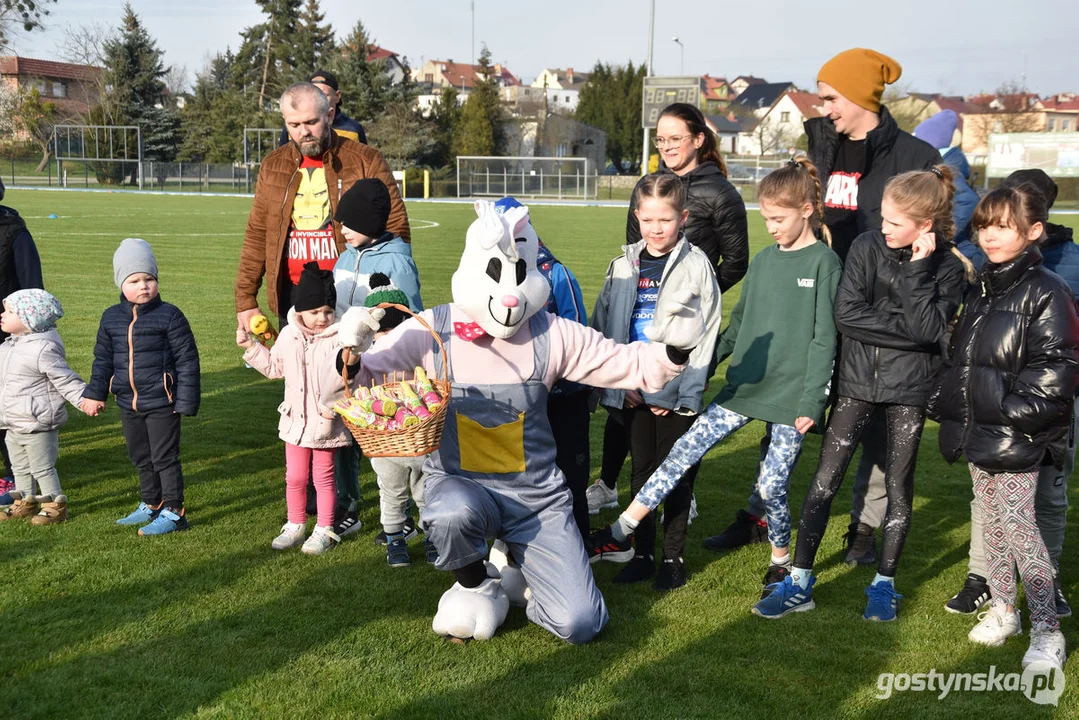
(101, 623)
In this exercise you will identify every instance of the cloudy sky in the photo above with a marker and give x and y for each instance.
(950, 46)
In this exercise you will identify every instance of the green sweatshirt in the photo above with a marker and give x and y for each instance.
(782, 336)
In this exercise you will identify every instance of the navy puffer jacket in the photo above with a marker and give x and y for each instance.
(146, 356)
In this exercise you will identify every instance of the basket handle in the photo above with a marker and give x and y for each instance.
(347, 353)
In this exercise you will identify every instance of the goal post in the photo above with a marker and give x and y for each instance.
(562, 178)
(111, 150)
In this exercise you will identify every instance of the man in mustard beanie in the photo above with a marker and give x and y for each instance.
(857, 148)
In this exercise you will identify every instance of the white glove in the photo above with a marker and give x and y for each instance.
(358, 327)
(472, 612)
(513, 580)
(678, 321)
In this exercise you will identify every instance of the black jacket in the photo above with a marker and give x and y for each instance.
(146, 356)
(1004, 397)
(20, 265)
(888, 152)
(717, 222)
(892, 314)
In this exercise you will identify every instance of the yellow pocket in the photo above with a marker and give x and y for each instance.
(494, 450)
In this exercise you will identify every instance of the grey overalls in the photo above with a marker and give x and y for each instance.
(494, 475)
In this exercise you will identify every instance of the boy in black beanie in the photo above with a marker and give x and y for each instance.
(363, 212)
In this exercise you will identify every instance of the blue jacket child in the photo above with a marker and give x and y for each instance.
(146, 356)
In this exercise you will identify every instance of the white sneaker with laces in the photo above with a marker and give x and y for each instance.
(1046, 647)
(600, 497)
(292, 534)
(996, 625)
(321, 540)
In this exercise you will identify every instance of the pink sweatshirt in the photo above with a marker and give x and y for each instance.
(577, 353)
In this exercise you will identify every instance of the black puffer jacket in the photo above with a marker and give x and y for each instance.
(1004, 397)
(888, 152)
(146, 356)
(717, 222)
(892, 313)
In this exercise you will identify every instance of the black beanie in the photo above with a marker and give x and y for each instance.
(1038, 179)
(365, 208)
(315, 289)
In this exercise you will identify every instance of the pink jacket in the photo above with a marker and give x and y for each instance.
(308, 363)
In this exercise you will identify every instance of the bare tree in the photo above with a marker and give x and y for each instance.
(20, 16)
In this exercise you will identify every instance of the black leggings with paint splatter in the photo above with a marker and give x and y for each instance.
(845, 426)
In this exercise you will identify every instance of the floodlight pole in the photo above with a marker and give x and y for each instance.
(681, 55)
(648, 73)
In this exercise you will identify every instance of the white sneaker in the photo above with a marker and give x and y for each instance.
(292, 534)
(321, 540)
(995, 626)
(600, 496)
(1046, 647)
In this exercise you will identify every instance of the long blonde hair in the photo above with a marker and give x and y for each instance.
(928, 195)
(794, 185)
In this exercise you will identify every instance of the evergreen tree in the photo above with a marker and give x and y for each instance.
(611, 101)
(266, 60)
(479, 130)
(314, 41)
(365, 87)
(402, 135)
(133, 72)
(445, 114)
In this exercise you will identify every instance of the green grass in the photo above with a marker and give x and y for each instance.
(101, 623)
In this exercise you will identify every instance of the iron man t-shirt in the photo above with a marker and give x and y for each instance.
(310, 235)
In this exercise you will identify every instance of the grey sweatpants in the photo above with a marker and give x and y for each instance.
(869, 496)
(33, 461)
(1050, 508)
(397, 477)
(538, 526)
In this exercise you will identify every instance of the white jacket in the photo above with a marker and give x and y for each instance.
(35, 380)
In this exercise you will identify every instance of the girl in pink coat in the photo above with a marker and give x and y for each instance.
(306, 356)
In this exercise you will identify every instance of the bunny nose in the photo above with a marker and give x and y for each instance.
(509, 301)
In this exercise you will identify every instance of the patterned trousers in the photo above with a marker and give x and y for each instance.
(1012, 538)
(712, 426)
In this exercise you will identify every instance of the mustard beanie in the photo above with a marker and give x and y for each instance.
(860, 76)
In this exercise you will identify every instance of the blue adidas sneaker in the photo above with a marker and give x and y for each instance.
(786, 597)
(883, 602)
(168, 520)
(141, 515)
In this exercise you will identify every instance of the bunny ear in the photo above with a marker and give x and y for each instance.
(479, 207)
(520, 225)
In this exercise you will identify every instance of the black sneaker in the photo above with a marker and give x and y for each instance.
(775, 575)
(346, 523)
(397, 553)
(410, 531)
(639, 569)
(1063, 608)
(745, 530)
(430, 551)
(601, 545)
(671, 575)
(861, 542)
(971, 598)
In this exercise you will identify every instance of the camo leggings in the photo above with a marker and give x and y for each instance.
(1012, 538)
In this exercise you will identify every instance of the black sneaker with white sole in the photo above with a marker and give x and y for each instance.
(1063, 608)
(346, 523)
(971, 598)
(410, 531)
(601, 545)
(745, 530)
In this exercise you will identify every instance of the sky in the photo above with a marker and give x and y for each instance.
(948, 46)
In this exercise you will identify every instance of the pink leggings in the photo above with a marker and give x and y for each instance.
(300, 464)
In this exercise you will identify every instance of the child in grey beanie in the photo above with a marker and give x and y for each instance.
(133, 256)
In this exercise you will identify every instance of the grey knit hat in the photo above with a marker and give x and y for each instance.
(133, 256)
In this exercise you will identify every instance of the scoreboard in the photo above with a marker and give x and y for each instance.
(659, 92)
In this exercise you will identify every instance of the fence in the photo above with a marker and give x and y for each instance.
(564, 178)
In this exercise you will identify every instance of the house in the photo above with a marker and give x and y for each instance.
(911, 110)
(562, 88)
(740, 83)
(1061, 112)
(443, 73)
(778, 130)
(72, 88)
(395, 69)
(760, 97)
(727, 129)
(716, 94)
(557, 136)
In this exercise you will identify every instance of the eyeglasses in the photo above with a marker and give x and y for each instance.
(673, 141)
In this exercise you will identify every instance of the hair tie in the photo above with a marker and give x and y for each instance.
(795, 163)
(936, 171)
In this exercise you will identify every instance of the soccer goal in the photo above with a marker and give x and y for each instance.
(112, 154)
(258, 143)
(564, 178)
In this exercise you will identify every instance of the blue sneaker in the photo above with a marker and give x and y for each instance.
(142, 515)
(883, 602)
(6, 499)
(166, 521)
(786, 597)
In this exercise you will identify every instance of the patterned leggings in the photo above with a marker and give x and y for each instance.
(712, 426)
(1012, 537)
(845, 425)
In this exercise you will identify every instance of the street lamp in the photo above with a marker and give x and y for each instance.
(681, 55)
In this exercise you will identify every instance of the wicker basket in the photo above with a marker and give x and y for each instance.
(406, 441)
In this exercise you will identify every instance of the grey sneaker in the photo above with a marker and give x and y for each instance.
(292, 535)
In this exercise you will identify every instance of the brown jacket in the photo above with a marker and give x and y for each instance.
(263, 252)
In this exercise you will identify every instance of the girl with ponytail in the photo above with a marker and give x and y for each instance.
(781, 342)
(902, 286)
